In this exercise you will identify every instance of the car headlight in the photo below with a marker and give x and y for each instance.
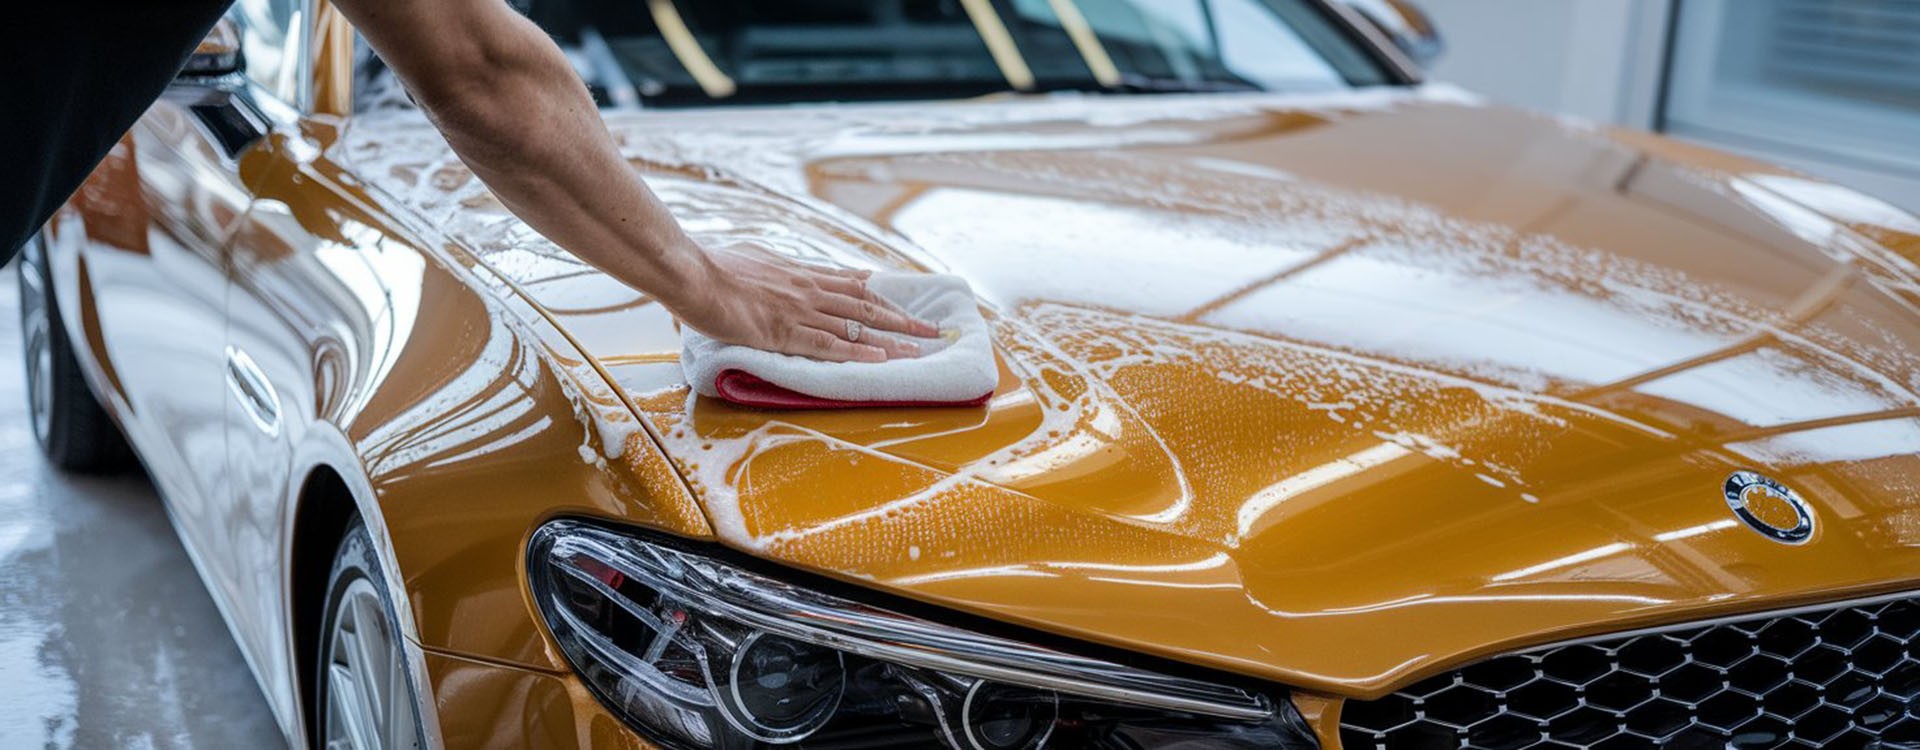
(698, 653)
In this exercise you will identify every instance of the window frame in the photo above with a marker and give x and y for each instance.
(300, 100)
(1398, 69)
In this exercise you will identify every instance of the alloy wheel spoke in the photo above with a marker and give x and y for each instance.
(399, 730)
(368, 670)
(346, 702)
(35, 328)
(369, 702)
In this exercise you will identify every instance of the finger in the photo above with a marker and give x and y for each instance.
(829, 346)
(858, 288)
(875, 315)
(894, 346)
(837, 277)
(847, 273)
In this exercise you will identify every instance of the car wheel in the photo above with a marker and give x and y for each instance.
(73, 431)
(365, 693)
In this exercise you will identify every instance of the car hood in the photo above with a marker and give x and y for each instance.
(1336, 392)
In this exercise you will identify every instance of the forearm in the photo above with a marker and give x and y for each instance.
(518, 116)
(513, 109)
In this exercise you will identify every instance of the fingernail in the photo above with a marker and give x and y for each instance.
(912, 349)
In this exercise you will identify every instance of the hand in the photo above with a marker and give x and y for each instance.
(765, 301)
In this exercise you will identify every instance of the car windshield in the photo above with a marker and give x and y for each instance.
(708, 52)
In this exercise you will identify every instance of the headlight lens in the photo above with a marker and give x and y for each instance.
(696, 653)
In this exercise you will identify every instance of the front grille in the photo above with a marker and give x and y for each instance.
(1847, 677)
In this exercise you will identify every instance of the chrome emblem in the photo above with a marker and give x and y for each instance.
(1769, 507)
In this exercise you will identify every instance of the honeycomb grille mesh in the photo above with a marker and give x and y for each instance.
(1845, 677)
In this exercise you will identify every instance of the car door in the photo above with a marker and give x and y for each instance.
(143, 271)
(149, 281)
(260, 402)
(321, 298)
(271, 358)
(156, 269)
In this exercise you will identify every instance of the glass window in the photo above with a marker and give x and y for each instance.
(1836, 81)
(1191, 44)
(269, 32)
(686, 52)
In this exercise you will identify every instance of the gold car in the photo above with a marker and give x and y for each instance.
(1335, 409)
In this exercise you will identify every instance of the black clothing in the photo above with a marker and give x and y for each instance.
(77, 75)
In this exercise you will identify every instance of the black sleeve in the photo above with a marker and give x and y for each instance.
(77, 74)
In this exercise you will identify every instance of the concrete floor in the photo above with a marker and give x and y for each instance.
(107, 637)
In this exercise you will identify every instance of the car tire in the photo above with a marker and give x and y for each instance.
(363, 686)
(73, 431)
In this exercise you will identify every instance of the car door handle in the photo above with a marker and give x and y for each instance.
(255, 394)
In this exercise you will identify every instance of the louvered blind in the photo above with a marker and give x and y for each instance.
(1822, 81)
(1864, 48)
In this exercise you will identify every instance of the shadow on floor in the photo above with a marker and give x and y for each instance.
(107, 636)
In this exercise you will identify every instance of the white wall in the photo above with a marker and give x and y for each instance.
(1601, 60)
(1565, 56)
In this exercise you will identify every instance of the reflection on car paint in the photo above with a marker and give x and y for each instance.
(1215, 320)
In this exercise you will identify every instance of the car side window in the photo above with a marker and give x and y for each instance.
(270, 36)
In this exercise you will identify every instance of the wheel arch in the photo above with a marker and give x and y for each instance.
(333, 491)
(324, 511)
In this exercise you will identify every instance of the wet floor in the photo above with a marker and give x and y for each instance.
(107, 637)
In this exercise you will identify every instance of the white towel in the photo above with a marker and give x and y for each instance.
(956, 368)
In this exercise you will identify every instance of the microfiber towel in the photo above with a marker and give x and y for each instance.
(956, 369)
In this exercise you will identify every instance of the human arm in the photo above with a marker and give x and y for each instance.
(517, 114)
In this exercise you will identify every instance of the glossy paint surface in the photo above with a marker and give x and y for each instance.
(453, 416)
(486, 706)
(1287, 391)
(1334, 392)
